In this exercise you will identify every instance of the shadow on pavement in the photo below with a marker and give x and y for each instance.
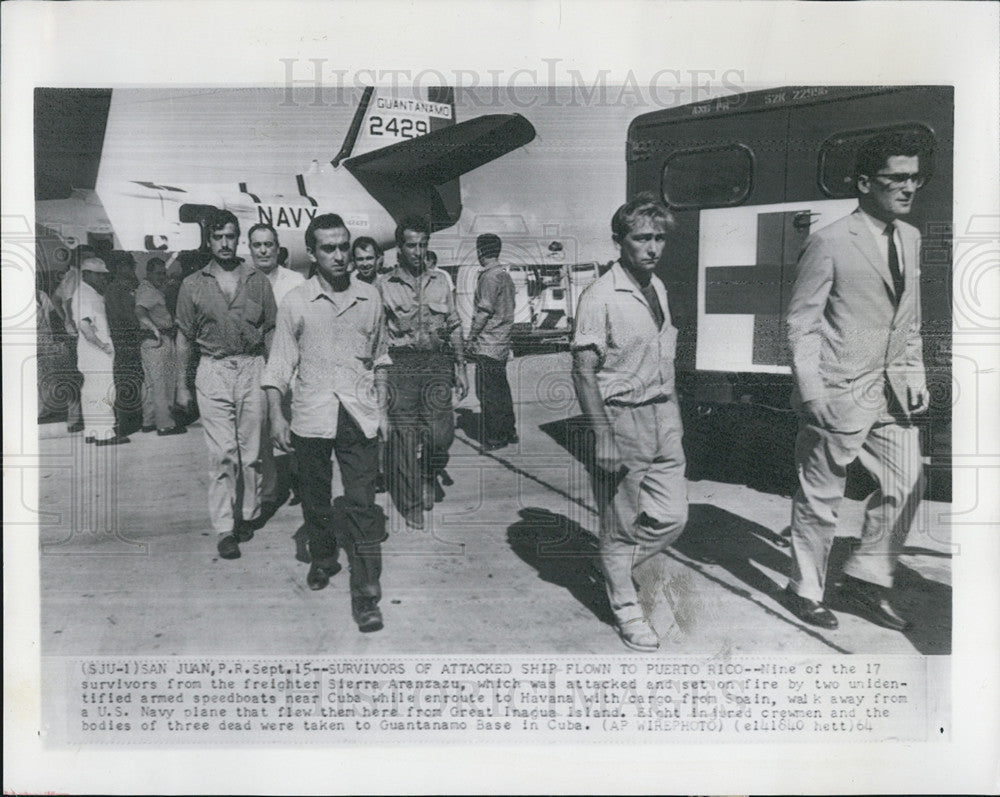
(716, 536)
(563, 553)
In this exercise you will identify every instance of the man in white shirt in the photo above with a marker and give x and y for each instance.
(327, 338)
(95, 354)
(857, 361)
(277, 478)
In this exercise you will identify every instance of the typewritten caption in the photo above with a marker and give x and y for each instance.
(325, 699)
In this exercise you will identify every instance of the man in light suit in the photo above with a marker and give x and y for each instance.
(857, 361)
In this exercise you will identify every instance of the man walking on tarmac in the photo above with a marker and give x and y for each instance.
(424, 337)
(489, 340)
(857, 361)
(277, 476)
(623, 371)
(228, 309)
(326, 342)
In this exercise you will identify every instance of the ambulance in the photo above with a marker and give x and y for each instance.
(748, 178)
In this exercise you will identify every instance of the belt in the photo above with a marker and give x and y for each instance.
(633, 404)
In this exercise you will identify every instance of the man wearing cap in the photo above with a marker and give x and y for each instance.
(228, 310)
(489, 339)
(327, 339)
(95, 354)
(623, 370)
(276, 477)
(424, 337)
(63, 298)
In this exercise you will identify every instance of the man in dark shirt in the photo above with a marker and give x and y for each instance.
(426, 360)
(119, 299)
(228, 309)
(489, 340)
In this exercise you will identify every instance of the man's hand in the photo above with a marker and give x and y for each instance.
(815, 412)
(605, 450)
(461, 381)
(281, 433)
(919, 399)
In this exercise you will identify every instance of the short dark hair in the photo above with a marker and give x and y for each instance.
(414, 223)
(364, 242)
(218, 219)
(431, 257)
(875, 151)
(327, 221)
(643, 204)
(488, 245)
(154, 261)
(118, 260)
(263, 226)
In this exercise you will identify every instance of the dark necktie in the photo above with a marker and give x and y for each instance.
(897, 275)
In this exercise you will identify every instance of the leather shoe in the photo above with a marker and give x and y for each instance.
(150, 428)
(321, 573)
(243, 532)
(809, 611)
(366, 613)
(415, 518)
(871, 601)
(172, 430)
(115, 440)
(229, 548)
(638, 634)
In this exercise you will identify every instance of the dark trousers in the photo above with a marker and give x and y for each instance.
(496, 406)
(421, 421)
(128, 384)
(353, 521)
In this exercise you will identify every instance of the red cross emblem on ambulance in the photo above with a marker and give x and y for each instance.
(746, 268)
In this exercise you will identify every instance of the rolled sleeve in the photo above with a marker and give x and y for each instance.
(590, 330)
(186, 315)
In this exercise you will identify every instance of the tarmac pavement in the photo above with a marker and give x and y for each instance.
(128, 563)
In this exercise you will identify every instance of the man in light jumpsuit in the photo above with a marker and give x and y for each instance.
(623, 371)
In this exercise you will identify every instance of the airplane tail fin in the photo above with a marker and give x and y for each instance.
(385, 117)
(420, 175)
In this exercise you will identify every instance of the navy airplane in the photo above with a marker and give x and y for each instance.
(403, 153)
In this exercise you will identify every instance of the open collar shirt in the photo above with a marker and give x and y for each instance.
(325, 344)
(636, 357)
(224, 327)
(494, 299)
(420, 310)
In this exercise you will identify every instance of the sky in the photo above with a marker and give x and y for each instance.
(565, 184)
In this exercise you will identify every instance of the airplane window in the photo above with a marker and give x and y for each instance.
(838, 153)
(711, 177)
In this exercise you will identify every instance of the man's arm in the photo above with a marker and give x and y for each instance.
(806, 306)
(89, 331)
(484, 302)
(458, 346)
(281, 364)
(586, 363)
(186, 315)
(918, 397)
(145, 322)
